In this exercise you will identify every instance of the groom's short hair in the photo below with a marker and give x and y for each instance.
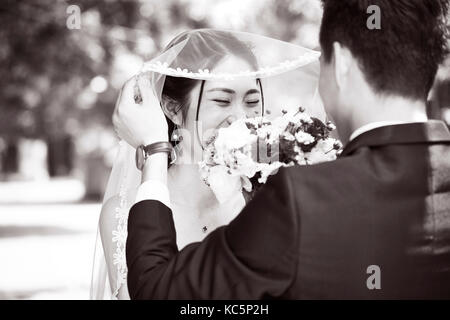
(403, 56)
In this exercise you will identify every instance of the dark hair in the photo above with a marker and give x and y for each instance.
(176, 90)
(400, 58)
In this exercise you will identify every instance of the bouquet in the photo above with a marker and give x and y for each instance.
(241, 157)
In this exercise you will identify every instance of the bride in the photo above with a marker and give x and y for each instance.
(203, 80)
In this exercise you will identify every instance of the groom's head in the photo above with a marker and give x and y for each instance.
(392, 47)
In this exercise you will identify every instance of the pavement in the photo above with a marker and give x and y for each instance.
(47, 240)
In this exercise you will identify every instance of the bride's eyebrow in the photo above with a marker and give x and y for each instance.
(222, 89)
(252, 91)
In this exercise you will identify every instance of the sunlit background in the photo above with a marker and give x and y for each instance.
(58, 90)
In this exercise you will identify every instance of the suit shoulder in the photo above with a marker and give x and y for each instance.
(324, 173)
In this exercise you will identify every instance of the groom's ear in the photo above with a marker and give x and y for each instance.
(343, 60)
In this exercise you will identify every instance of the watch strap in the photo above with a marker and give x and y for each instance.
(157, 147)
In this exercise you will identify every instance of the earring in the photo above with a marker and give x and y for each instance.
(177, 137)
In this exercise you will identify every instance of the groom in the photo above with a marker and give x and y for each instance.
(373, 224)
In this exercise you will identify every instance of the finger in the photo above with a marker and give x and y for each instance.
(116, 107)
(116, 121)
(116, 133)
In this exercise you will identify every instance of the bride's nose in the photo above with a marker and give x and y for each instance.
(238, 111)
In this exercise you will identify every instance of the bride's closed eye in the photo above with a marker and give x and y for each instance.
(220, 99)
(252, 103)
(225, 103)
(222, 102)
(252, 98)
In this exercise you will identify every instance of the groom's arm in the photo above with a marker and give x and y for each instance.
(253, 257)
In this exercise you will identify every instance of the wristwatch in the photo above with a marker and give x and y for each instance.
(143, 152)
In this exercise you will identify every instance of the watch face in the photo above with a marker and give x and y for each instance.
(140, 158)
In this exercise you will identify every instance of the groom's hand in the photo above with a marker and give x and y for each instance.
(139, 124)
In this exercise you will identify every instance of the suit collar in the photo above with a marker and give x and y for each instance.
(373, 125)
(432, 131)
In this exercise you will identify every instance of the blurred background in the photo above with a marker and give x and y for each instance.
(62, 64)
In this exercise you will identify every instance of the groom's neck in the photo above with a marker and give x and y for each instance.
(385, 109)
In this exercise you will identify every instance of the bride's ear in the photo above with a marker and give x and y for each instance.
(172, 111)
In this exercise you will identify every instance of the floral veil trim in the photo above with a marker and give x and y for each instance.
(119, 236)
(205, 74)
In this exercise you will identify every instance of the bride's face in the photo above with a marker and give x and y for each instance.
(224, 100)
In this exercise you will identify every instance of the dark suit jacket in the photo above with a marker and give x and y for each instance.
(313, 231)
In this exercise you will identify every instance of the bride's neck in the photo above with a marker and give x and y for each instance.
(187, 188)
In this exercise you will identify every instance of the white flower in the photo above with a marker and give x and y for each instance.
(302, 117)
(304, 138)
(245, 165)
(280, 123)
(235, 136)
(288, 136)
(322, 152)
(246, 184)
(255, 121)
(269, 169)
(223, 184)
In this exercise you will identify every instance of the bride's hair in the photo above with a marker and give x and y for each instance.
(176, 90)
